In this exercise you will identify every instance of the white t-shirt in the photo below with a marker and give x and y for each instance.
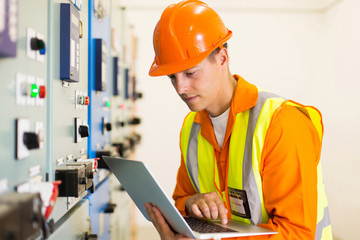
(219, 124)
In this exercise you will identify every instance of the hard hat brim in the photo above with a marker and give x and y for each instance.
(171, 68)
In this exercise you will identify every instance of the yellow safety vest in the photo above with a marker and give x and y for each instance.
(246, 144)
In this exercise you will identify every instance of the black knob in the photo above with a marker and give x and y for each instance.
(91, 237)
(82, 180)
(137, 95)
(110, 208)
(108, 126)
(91, 175)
(135, 121)
(9, 235)
(120, 124)
(38, 44)
(84, 131)
(31, 140)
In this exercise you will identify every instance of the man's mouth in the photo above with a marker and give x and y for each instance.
(190, 99)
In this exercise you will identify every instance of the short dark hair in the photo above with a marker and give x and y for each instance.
(216, 51)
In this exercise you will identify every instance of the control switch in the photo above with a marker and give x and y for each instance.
(76, 178)
(81, 130)
(135, 121)
(31, 140)
(84, 131)
(123, 148)
(106, 126)
(87, 180)
(25, 139)
(9, 222)
(71, 178)
(37, 44)
(25, 220)
(101, 162)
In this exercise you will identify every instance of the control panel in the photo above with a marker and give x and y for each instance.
(67, 100)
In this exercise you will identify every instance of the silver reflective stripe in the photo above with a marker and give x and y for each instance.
(192, 155)
(325, 222)
(249, 183)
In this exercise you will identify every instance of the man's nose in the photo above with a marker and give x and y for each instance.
(182, 84)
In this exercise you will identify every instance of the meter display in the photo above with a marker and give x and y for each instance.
(69, 43)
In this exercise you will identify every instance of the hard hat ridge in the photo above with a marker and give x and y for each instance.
(185, 35)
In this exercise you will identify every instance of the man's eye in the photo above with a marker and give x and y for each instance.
(189, 74)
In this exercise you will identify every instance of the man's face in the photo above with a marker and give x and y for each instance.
(200, 86)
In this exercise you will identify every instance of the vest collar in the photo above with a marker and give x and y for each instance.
(245, 97)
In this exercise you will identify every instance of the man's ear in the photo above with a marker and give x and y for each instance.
(223, 56)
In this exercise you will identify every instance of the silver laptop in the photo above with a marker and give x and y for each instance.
(142, 187)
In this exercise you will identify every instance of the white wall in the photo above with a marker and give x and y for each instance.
(340, 106)
(309, 56)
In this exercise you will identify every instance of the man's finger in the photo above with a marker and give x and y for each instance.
(163, 225)
(213, 207)
(196, 211)
(223, 214)
(204, 208)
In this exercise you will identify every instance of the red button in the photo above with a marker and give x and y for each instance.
(87, 100)
(42, 91)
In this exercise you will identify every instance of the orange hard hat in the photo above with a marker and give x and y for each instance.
(185, 35)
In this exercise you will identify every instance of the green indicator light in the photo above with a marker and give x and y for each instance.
(34, 90)
(108, 104)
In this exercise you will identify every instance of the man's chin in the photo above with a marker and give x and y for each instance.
(194, 108)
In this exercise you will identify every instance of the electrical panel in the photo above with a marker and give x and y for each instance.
(23, 91)
(69, 97)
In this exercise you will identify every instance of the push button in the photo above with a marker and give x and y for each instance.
(42, 91)
(87, 100)
(34, 90)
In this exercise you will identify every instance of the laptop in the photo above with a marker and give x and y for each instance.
(142, 187)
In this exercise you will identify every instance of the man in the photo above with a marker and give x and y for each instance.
(246, 154)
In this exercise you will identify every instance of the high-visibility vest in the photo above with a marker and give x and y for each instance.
(245, 148)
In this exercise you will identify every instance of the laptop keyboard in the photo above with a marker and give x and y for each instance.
(203, 226)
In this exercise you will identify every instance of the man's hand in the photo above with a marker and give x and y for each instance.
(208, 205)
(161, 225)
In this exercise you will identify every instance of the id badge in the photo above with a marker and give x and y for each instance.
(239, 203)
